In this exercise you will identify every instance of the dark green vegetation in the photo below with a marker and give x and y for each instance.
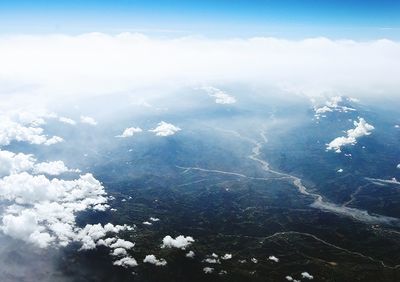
(253, 218)
(253, 213)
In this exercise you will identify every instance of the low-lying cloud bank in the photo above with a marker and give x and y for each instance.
(95, 63)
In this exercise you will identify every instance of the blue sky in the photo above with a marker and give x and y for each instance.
(353, 19)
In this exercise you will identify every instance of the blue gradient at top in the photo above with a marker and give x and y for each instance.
(285, 18)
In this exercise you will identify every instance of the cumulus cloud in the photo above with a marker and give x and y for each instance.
(51, 168)
(212, 260)
(334, 104)
(208, 270)
(165, 129)
(126, 262)
(129, 132)
(24, 188)
(88, 120)
(190, 254)
(53, 140)
(180, 242)
(121, 243)
(119, 252)
(95, 235)
(12, 130)
(11, 163)
(307, 275)
(273, 258)
(67, 120)
(153, 260)
(43, 211)
(220, 96)
(362, 128)
(226, 256)
(25, 226)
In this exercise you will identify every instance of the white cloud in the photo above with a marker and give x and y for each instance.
(11, 130)
(154, 219)
(67, 120)
(88, 120)
(333, 104)
(30, 116)
(42, 211)
(126, 262)
(226, 256)
(208, 270)
(190, 254)
(147, 223)
(119, 252)
(254, 260)
(93, 234)
(128, 132)
(165, 129)
(50, 207)
(121, 243)
(289, 278)
(180, 242)
(307, 275)
(273, 258)
(398, 166)
(220, 96)
(334, 101)
(106, 242)
(153, 260)
(91, 64)
(362, 128)
(11, 163)
(323, 110)
(25, 226)
(51, 168)
(53, 140)
(212, 260)
(340, 170)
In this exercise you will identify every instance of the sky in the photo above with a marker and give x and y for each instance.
(292, 19)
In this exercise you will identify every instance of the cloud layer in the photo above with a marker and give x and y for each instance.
(91, 64)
